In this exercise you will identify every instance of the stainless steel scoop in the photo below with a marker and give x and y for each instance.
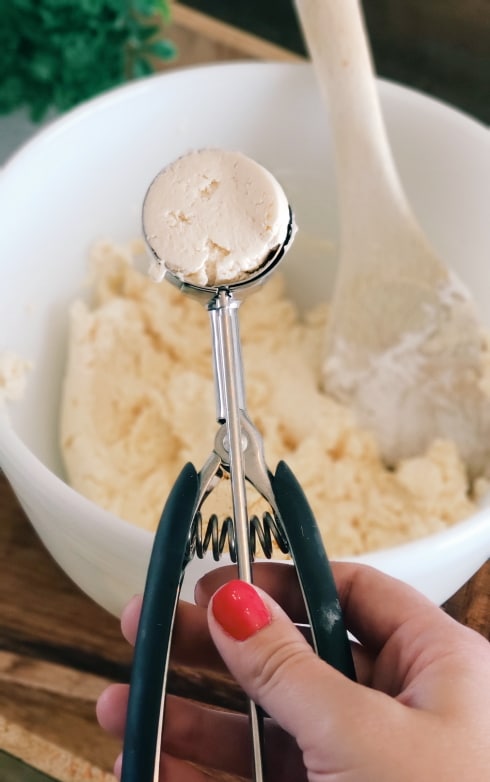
(237, 453)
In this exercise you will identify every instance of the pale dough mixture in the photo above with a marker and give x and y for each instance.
(138, 403)
(213, 216)
(13, 376)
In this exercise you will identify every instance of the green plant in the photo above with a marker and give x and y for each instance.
(56, 53)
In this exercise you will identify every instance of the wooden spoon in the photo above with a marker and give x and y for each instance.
(405, 347)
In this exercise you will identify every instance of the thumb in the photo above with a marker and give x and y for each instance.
(277, 668)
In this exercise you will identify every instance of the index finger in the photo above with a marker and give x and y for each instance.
(374, 604)
(278, 579)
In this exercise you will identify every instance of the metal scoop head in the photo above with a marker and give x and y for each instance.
(215, 219)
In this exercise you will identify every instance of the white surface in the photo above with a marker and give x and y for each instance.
(17, 128)
(85, 177)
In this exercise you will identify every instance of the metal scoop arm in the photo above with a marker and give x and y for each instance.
(307, 551)
(144, 721)
(170, 555)
(298, 526)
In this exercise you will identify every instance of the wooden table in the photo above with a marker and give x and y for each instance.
(58, 650)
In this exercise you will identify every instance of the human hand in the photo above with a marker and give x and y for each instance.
(419, 712)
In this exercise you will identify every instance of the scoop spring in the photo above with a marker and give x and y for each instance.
(212, 536)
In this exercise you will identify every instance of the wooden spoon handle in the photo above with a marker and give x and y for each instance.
(368, 182)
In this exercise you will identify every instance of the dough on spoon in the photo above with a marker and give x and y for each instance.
(213, 217)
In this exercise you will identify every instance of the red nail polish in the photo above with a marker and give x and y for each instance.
(239, 609)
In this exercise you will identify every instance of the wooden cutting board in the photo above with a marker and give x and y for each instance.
(58, 650)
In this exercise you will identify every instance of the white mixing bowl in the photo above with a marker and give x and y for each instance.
(84, 178)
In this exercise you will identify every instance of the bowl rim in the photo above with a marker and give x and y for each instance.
(118, 94)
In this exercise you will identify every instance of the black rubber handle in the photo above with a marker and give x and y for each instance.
(150, 662)
(314, 572)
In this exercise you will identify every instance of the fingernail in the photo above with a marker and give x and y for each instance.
(240, 610)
